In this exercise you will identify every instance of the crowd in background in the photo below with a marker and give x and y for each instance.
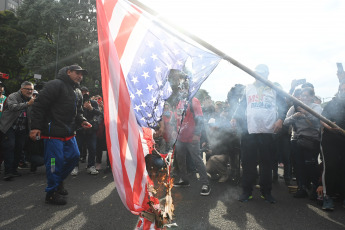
(254, 126)
(237, 138)
(19, 151)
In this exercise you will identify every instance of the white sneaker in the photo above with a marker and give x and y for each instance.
(98, 166)
(92, 170)
(75, 171)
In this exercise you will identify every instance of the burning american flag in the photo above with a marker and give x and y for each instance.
(136, 55)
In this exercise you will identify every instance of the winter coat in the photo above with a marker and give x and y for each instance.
(58, 111)
(14, 105)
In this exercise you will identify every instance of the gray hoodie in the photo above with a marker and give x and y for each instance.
(307, 126)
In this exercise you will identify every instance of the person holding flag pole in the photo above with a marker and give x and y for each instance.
(137, 49)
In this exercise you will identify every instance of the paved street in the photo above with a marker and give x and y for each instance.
(93, 203)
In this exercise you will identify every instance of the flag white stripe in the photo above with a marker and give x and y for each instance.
(113, 99)
(116, 20)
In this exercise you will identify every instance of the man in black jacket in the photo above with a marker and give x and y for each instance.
(56, 114)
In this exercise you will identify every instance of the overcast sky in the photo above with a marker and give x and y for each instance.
(295, 39)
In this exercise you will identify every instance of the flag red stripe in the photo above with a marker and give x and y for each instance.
(103, 40)
(125, 30)
(140, 172)
(108, 9)
(127, 133)
(122, 130)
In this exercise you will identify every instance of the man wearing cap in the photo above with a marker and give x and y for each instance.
(56, 114)
(261, 114)
(14, 127)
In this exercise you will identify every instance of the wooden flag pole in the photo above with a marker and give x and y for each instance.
(236, 63)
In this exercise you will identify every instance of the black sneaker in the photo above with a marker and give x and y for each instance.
(301, 193)
(23, 165)
(8, 177)
(16, 174)
(82, 159)
(287, 181)
(55, 198)
(245, 197)
(205, 190)
(269, 198)
(181, 184)
(107, 169)
(33, 168)
(61, 190)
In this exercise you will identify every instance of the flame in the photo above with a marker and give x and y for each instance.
(169, 183)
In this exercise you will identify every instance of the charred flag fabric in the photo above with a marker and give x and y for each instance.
(136, 55)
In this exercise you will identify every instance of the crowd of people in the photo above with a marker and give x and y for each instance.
(52, 127)
(254, 127)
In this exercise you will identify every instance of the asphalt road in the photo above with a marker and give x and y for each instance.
(93, 203)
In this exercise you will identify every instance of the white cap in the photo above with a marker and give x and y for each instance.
(212, 121)
(262, 70)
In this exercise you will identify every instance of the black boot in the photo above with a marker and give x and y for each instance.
(61, 190)
(301, 193)
(55, 198)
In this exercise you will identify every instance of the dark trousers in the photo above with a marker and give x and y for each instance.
(306, 164)
(12, 147)
(100, 147)
(256, 148)
(334, 171)
(282, 154)
(182, 149)
(90, 140)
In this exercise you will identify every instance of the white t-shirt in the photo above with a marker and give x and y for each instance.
(261, 109)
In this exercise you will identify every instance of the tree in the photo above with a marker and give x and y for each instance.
(13, 42)
(60, 33)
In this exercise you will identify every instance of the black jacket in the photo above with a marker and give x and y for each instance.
(335, 112)
(93, 117)
(58, 111)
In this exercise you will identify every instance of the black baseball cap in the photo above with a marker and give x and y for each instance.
(77, 68)
(1, 84)
(84, 88)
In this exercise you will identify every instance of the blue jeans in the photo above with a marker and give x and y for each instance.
(12, 146)
(60, 158)
(90, 140)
